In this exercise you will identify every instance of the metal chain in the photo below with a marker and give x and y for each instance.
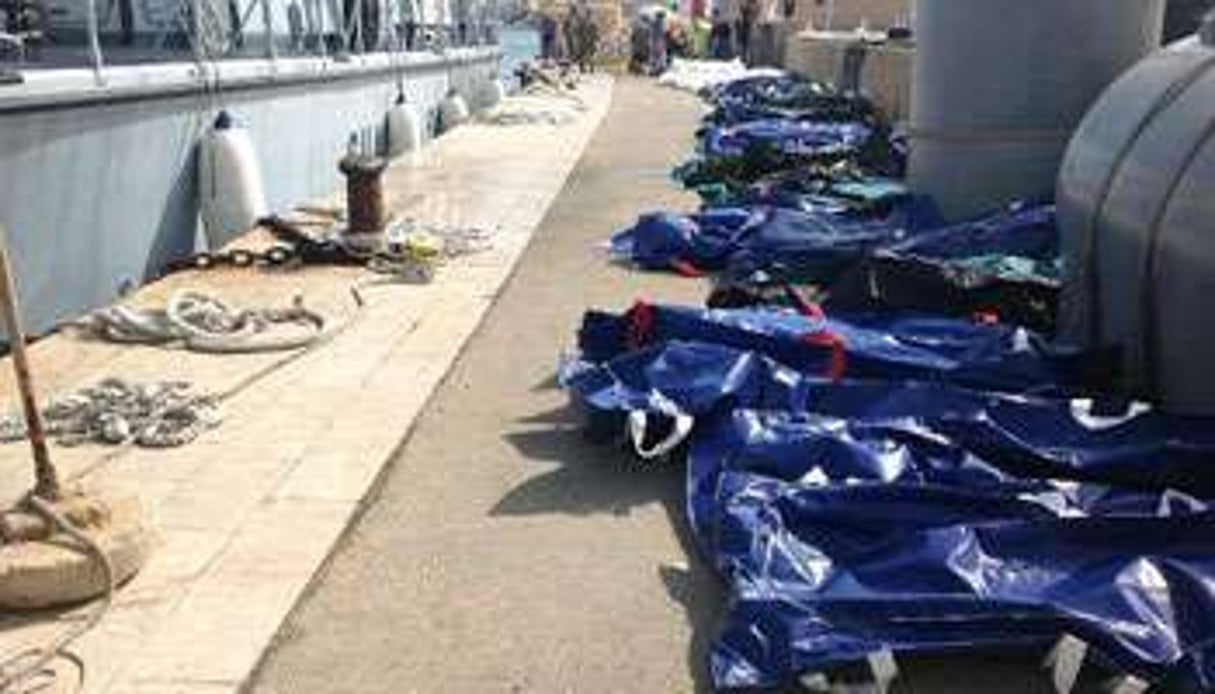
(276, 256)
(411, 250)
(116, 411)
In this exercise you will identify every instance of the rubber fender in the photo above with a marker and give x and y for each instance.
(231, 189)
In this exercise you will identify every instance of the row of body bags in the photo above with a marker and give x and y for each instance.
(791, 172)
(875, 484)
(770, 124)
(887, 250)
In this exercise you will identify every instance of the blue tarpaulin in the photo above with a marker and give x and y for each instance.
(817, 244)
(799, 138)
(787, 97)
(813, 245)
(870, 482)
(890, 347)
(1026, 231)
(822, 574)
(837, 194)
(1077, 439)
(850, 517)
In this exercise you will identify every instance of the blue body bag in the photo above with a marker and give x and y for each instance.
(875, 346)
(1025, 231)
(784, 97)
(811, 139)
(817, 243)
(1017, 435)
(852, 517)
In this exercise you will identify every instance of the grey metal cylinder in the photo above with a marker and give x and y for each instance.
(999, 86)
(1137, 211)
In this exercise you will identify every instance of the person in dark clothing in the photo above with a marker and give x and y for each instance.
(678, 43)
(588, 40)
(367, 36)
(720, 38)
(639, 47)
(411, 35)
(548, 38)
(658, 44)
(746, 26)
(126, 21)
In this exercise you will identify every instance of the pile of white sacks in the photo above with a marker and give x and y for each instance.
(695, 75)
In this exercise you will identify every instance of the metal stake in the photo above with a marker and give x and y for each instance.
(46, 478)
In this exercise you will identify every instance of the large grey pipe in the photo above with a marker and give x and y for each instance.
(999, 87)
(1135, 214)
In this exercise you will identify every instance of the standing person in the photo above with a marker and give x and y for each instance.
(548, 38)
(746, 28)
(677, 42)
(719, 36)
(569, 31)
(588, 40)
(407, 23)
(658, 44)
(659, 49)
(639, 46)
(729, 14)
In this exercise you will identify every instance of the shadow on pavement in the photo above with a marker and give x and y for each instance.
(603, 478)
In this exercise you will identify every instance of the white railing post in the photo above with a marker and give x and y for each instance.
(95, 56)
(359, 46)
(198, 35)
(268, 23)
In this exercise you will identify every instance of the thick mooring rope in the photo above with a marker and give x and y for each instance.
(29, 671)
(204, 323)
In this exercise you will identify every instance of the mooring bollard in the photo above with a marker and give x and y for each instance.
(365, 208)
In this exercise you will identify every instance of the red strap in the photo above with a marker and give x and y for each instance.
(823, 337)
(641, 324)
(988, 316)
(685, 268)
(803, 305)
(839, 351)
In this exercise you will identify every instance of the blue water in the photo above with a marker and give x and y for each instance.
(518, 45)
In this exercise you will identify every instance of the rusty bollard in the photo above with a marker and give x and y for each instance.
(365, 209)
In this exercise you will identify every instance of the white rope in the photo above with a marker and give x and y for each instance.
(510, 116)
(204, 323)
(411, 252)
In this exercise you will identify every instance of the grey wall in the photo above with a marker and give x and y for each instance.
(96, 196)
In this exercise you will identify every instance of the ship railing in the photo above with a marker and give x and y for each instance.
(38, 35)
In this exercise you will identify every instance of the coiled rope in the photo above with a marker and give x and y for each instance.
(203, 323)
(28, 671)
(514, 115)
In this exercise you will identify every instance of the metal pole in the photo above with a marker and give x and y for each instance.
(201, 50)
(343, 27)
(46, 478)
(358, 26)
(268, 21)
(95, 56)
(320, 27)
